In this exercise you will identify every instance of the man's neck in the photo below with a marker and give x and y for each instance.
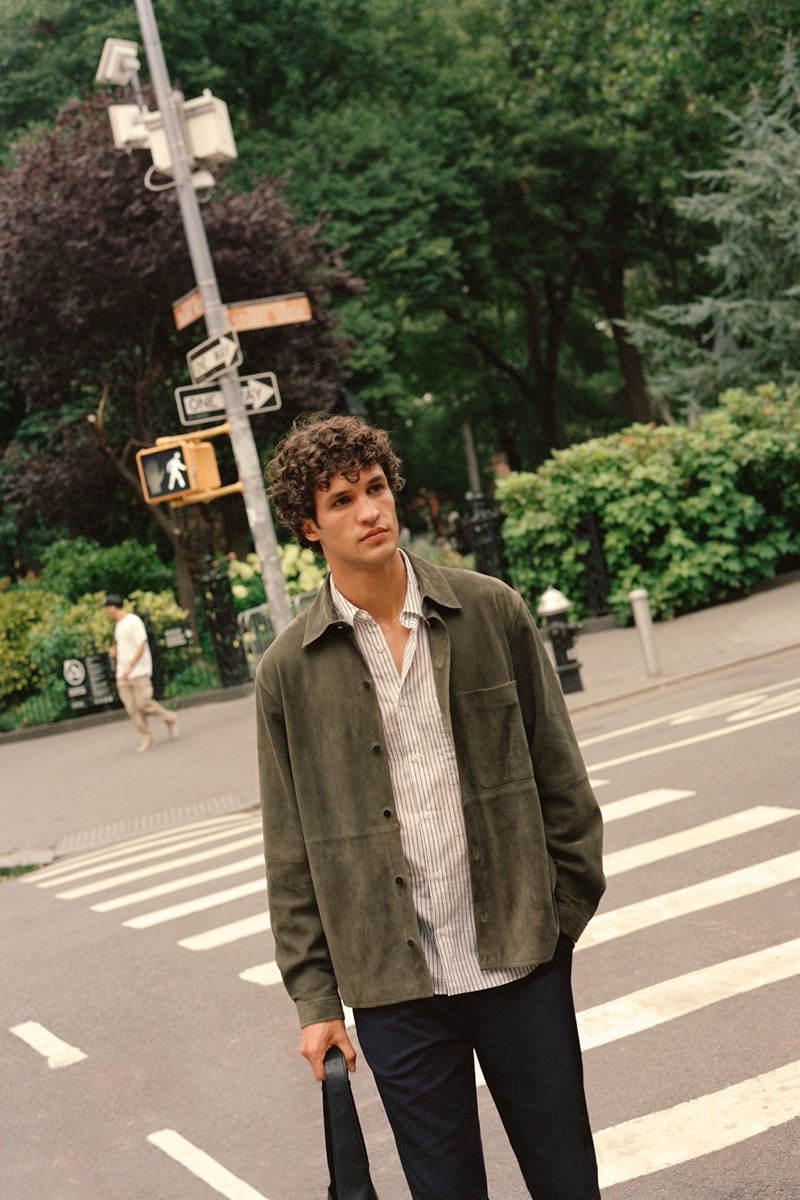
(381, 591)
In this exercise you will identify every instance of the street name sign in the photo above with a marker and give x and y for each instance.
(214, 357)
(188, 309)
(271, 311)
(204, 405)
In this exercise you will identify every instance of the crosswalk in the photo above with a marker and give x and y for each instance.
(151, 882)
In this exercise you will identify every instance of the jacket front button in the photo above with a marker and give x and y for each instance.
(376, 749)
(398, 880)
(387, 812)
(410, 943)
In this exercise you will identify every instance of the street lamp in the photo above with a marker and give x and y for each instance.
(119, 65)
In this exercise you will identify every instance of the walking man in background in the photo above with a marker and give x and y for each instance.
(134, 669)
(433, 847)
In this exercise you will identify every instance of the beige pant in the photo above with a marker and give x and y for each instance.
(137, 696)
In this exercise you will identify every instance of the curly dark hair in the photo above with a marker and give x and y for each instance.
(316, 449)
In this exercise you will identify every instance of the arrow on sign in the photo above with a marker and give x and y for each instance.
(214, 357)
(204, 405)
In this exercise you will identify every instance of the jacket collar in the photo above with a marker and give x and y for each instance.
(433, 584)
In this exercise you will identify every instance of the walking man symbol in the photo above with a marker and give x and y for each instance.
(176, 472)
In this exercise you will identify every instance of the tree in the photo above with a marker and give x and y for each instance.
(504, 174)
(90, 262)
(747, 330)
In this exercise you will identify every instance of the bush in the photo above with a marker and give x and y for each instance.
(695, 515)
(39, 629)
(302, 571)
(26, 613)
(77, 566)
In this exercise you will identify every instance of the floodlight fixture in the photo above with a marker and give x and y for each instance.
(119, 62)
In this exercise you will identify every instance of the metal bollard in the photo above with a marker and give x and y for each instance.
(554, 606)
(644, 625)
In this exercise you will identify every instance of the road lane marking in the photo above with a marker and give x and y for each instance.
(57, 1053)
(265, 975)
(699, 712)
(223, 935)
(693, 741)
(188, 860)
(645, 853)
(160, 838)
(631, 806)
(199, 904)
(161, 852)
(697, 1127)
(684, 994)
(203, 1166)
(668, 905)
(179, 885)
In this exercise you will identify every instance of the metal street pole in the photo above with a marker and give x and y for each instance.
(216, 317)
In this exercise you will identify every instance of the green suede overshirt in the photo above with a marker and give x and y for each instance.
(341, 909)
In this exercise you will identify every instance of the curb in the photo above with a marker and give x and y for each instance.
(71, 724)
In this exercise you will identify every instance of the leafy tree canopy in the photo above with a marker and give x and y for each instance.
(748, 328)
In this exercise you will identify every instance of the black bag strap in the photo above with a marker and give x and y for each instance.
(344, 1142)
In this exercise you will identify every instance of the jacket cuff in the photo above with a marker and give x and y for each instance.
(571, 921)
(322, 1008)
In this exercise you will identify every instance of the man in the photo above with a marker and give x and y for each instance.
(433, 846)
(134, 668)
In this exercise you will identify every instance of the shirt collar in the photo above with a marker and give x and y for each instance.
(412, 604)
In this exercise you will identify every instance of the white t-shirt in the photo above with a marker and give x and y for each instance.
(129, 633)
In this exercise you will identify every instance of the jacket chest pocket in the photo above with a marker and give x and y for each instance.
(492, 745)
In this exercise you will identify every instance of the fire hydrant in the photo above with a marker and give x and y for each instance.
(554, 607)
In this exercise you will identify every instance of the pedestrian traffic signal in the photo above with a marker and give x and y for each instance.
(180, 470)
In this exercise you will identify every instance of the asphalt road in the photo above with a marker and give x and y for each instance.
(151, 958)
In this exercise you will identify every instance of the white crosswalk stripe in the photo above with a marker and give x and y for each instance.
(635, 1148)
(697, 1127)
(723, 888)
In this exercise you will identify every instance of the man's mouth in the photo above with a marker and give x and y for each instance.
(373, 533)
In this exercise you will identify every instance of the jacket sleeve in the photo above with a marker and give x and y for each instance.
(572, 819)
(301, 949)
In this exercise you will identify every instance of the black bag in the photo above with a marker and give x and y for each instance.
(344, 1141)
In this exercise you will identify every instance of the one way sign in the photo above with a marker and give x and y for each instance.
(201, 405)
(214, 357)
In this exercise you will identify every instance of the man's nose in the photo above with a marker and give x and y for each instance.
(367, 509)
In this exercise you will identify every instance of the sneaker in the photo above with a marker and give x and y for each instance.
(145, 744)
(174, 728)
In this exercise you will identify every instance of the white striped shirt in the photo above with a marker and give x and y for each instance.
(427, 796)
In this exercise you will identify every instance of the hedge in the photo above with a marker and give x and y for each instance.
(696, 514)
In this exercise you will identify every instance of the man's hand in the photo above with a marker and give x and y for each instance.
(317, 1039)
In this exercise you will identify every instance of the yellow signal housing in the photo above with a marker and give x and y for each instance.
(182, 471)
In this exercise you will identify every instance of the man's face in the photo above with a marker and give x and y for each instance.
(356, 523)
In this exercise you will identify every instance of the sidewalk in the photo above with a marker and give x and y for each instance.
(83, 786)
(613, 664)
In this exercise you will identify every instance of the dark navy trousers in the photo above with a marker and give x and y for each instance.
(526, 1039)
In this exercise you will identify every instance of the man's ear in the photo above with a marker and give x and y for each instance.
(309, 530)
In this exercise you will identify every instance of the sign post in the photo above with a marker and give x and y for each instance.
(217, 324)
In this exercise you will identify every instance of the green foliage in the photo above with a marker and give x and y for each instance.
(748, 328)
(302, 571)
(440, 555)
(695, 515)
(75, 566)
(197, 676)
(26, 614)
(40, 629)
